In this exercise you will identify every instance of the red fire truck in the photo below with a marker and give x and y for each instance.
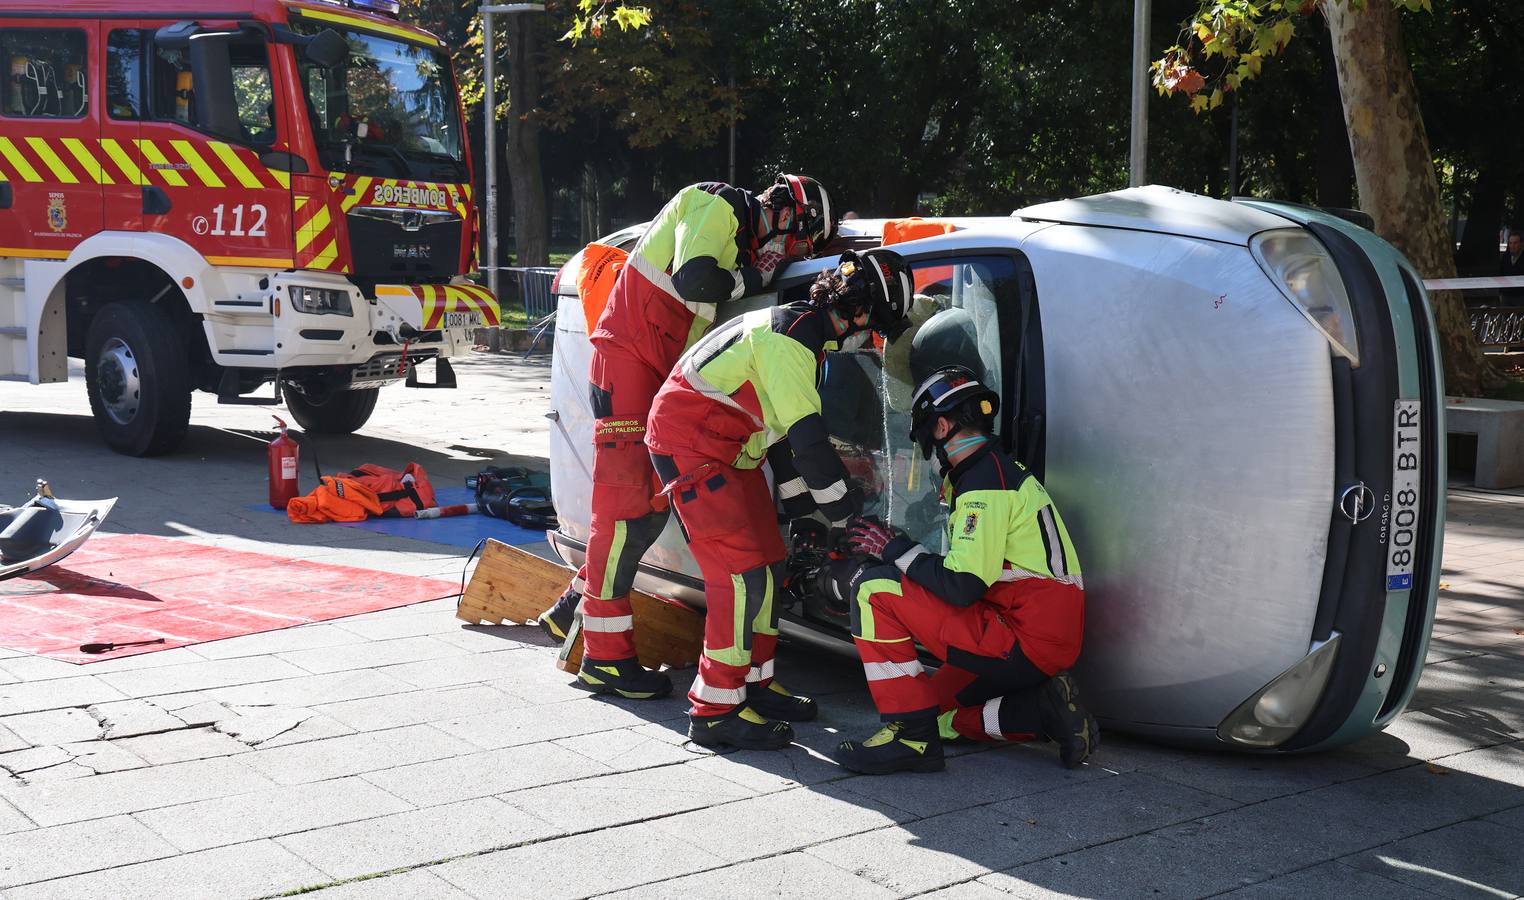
(228, 194)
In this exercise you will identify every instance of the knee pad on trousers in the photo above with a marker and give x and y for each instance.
(845, 581)
(639, 535)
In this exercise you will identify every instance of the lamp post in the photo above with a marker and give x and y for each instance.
(489, 122)
(1138, 157)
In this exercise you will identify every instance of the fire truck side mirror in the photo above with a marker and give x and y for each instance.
(327, 48)
(212, 98)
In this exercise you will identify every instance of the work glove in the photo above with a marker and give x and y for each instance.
(770, 258)
(869, 536)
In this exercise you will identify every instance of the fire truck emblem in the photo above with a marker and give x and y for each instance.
(970, 523)
(58, 215)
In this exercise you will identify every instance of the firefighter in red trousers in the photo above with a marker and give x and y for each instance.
(1004, 609)
(711, 243)
(741, 390)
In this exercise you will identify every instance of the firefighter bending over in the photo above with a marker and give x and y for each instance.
(743, 388)
(1004, 609)
(709, 244)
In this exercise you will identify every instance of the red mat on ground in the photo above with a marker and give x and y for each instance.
(121, 588)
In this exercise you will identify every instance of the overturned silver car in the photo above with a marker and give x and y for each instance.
(1237, 405)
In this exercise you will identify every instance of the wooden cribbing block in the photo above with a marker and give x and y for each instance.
(510, 585)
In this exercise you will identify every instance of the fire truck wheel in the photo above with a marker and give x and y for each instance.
(341, 412)
(138, 378)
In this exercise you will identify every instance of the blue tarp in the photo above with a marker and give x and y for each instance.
(461, 531)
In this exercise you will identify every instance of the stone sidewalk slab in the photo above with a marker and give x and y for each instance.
(1462, 861)
(412, 838)
(270, 813)
(260, 869)
(792, 876)
(46, 853)
(484, 773)
(558, 869)
(355, 754)
(56, 803)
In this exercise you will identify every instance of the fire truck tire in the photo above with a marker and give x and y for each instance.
(138, 379)
(342, 412)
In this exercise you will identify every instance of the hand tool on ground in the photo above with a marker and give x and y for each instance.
(108, 647)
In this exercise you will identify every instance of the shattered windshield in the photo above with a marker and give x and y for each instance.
(390, 110)
(956, 319)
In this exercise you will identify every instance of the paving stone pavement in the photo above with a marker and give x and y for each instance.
(404, 754)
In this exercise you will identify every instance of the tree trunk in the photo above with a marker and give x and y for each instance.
(1394, 170)
(522, 148)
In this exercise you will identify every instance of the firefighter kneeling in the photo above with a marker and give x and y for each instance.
(1004, 609)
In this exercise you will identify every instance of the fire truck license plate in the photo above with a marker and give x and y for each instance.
(1402, 539)
(462, 320)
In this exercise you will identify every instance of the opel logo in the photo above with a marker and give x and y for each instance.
(1357, 502)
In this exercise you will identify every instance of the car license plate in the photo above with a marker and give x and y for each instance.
(461, 320)
(1402, 505)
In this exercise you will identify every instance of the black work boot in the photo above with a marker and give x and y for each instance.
(557, 620)
(775, 702)
(743, 728)
(625, 677)
(897, 747)
(1066, 722)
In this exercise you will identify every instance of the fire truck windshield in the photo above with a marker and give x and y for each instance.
(389, 110)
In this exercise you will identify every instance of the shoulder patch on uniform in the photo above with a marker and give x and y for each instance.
(970, 523)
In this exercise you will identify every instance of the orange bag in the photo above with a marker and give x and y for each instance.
(596, 275)
(335, 499)
(898, 231)
(400, 494)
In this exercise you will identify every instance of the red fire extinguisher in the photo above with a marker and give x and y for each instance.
(284, 455)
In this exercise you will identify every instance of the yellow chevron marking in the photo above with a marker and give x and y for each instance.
(198, 165)
(123, 161)
(92, 166)
(299, 202)
(229, 158)
(46, 154)
(314, 229)
(326, 258)
(152, 153)
(23, 168)
(281, 178)
(361, 188)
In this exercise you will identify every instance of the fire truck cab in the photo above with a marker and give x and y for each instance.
(257, 192)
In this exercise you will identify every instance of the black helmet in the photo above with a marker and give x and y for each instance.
(954, 392)
(877, 282)
(813, 222)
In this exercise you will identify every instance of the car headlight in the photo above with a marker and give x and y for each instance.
(1306, 274)
(1282, 707)
(321, 301)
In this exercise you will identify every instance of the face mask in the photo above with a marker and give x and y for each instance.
(946, 447)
